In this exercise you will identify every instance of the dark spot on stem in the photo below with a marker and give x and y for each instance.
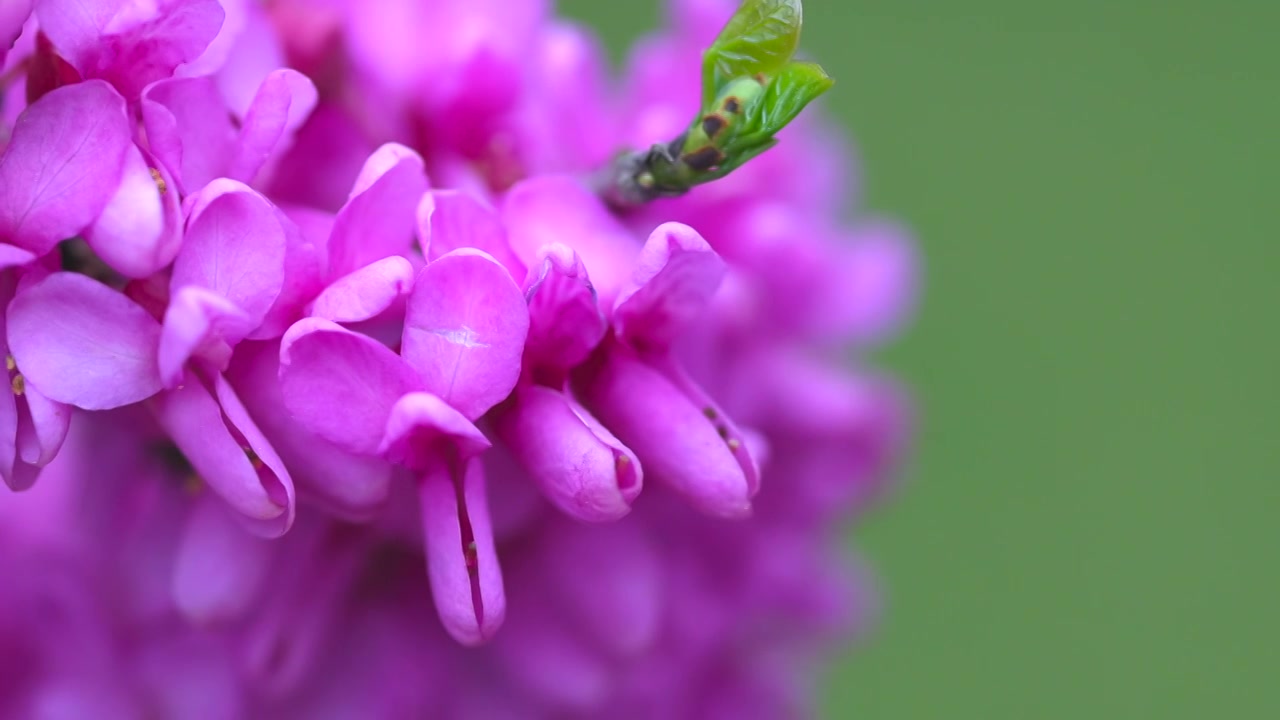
(713, 124)
(703, 159)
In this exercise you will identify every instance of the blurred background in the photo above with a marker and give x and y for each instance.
(1092, 524)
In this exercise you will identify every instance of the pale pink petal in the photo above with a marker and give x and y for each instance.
(378, 218)
(341, 385)
(62, 165)
(235, 246)
(465, 329)
(82, 343)
(139, 231)
(365, 293)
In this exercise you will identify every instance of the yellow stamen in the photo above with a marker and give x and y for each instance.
(734, 443)
(19, 384)
(159, 180)
(10, 364)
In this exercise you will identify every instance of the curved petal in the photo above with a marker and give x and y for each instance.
(199, 322)
(452, 219)
(462, 563)
(565, 322)
(284, 98)
(62, 164)
(138, 232)
(680, 442)
(365, 293)
(559, 209)
(8, 438)
(133, 44)
(303, 272)
(220, 568)
(189, 130)
(575, 461)
(341, 385)
(42, 429)
(227, 452)
(676, 275)
(348, 485)
(81, 343)
(234, 246)
(424, 431)
(377, 220)
(464, 332)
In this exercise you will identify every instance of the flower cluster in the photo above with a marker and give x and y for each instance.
(335, 383)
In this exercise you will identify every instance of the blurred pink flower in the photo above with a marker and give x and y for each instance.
(351, 398)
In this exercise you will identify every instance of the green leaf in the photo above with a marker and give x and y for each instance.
(797, 85)
(760, 38)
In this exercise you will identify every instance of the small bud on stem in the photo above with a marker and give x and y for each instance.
(750, 91)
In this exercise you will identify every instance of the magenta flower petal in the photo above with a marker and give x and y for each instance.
(234, 246)
(129, 44)
(378, 219)
(565, 322)
(464, 331)
(341, 385)
(678, 442)
(462, 564)
(219, 568)
(12, 17)
(228, 452)
(12, 256)
(575, 461)
(9, 438)
(43, 429)
(199, 322)
(284, 99)
(348, 485)
(424, 431)
(303, 279)
(365, 293)
(450, 219)
(62, 165)
(558, 209)
(189, 129)
(676, 275)
(139, 230)
(82, 343)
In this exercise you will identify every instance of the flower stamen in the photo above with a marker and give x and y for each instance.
(159, 180)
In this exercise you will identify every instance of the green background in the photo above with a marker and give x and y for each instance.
(1091, 526)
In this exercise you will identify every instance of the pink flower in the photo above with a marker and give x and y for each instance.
(320, 436)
